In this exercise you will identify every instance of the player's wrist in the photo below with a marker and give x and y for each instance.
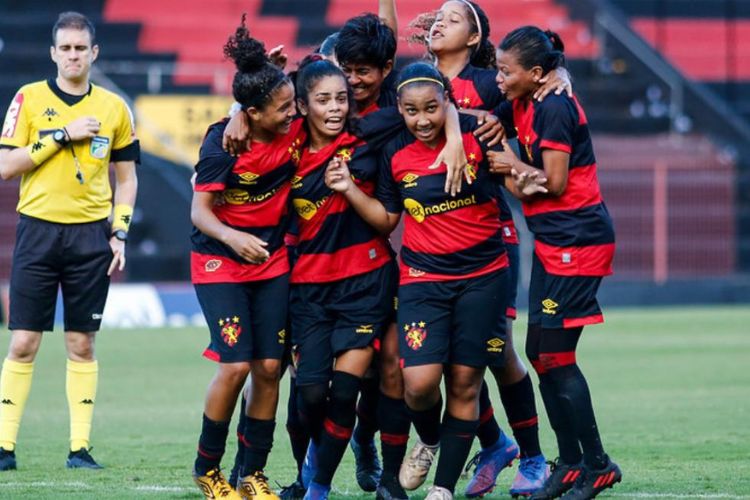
(43, 149)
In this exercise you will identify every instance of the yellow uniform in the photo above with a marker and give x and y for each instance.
(52, 192)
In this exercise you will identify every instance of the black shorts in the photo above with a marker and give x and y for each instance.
(562, 301)
(247, 320)
(454, 322)
(514, 260)
(330, 318)
(48, 256)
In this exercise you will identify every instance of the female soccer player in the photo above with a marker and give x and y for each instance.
(573, 251)
(343, 280)
(453, 271)
(240, 267)
(458, 38)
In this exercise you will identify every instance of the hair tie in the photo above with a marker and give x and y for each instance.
(420, 79)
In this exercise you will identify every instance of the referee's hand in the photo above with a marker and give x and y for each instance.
(118, 255)
(84, 127)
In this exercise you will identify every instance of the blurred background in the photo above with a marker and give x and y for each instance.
(665, 84)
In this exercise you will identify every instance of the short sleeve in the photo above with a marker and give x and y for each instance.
(214, 164)
(15, 133)
(557, 122)
(386, 190)
(126, 146)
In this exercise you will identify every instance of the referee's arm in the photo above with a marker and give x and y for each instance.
(16, 161)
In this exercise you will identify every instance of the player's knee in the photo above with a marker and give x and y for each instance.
(391, 380)
(267, 371)
(24, 346)
(464, 388)
(234, 374)
(313, 395)
(420, 390)
(345, 387)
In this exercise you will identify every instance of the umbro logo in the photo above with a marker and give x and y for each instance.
(36, 147)
(86, 402)
(8, 402)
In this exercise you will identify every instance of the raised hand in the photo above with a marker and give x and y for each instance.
(337, 176)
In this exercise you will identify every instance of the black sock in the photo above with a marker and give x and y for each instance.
(338, 425)
(488, 431)
(427, 423)
(455, 443)
(241, 423)
(367, 410)
(574, 393)
(567, 442)
(211, 445)
(258, 441)
(299, 438)
(393, 419)
(520, 408)
(312, 401)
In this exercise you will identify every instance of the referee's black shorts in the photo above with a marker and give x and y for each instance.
(49, 255)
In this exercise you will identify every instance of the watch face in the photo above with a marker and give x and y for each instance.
(59, 135)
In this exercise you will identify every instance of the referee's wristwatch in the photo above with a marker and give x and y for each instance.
(60, 137)
(120, 234)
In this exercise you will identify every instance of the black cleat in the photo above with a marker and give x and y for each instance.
(390, 489)
(592, 482)
(562, 478)
(294, 491)
(81, 459)
(7, 459)
(368, 465)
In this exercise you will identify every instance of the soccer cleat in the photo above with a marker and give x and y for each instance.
(561, 479)
(592, 482)
(368, 464)
(310, 465)
(317, 491)
(488, 463)
(214, 485)
(390, 489)
(532, 473)
(416, 466)
(294, 491)
(255, 486)
(438, 493)
(7, 459)
(81, 459)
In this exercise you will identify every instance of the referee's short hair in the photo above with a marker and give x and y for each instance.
(73, 20)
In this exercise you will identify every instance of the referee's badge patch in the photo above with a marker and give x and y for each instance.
(99, 147)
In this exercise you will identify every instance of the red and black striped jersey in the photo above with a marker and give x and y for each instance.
(574, 232)
(445, 238)
(256, 189)
(476, 88)
(334, 241)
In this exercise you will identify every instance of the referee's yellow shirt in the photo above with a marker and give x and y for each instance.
(51, 191)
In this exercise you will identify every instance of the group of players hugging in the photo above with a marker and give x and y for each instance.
(294, 201)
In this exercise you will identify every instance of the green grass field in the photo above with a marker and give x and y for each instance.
(671, 388)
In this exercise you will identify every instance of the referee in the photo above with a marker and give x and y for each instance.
(60, 135)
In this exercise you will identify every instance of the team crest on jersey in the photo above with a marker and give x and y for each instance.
(416, 334)
(294, 150)
(230, 330)
(212, 265)
(249, 178)
(345, 154)
(410, 180)
(99, 147)
(11, 118)
(495, 345)
(549, 306)
(472, 167)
